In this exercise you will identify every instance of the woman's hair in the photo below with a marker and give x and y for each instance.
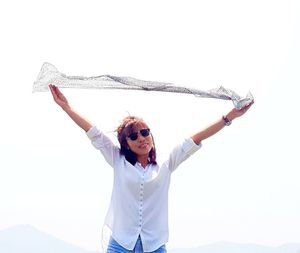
(128, 126)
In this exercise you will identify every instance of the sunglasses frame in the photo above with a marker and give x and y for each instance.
(145, 132)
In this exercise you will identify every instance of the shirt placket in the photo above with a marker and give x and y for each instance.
(141, 200)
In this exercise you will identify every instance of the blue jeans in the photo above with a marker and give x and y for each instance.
(114, 247)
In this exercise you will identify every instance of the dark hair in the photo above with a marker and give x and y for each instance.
(128, 126)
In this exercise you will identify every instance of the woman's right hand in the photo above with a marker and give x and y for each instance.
(61, 100)
(58, 97)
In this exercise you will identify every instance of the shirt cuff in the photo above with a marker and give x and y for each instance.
(92, 132)
(190, 147)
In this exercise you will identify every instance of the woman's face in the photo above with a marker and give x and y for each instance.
(140, 140)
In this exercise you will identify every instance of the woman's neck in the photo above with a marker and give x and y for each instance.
(143, 160)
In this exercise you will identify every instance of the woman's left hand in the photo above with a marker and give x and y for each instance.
(235, 113)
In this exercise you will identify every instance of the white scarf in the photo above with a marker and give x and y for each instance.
(50, 75)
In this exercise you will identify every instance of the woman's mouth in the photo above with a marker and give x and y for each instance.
(144, 145)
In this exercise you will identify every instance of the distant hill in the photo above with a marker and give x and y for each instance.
(226, 247)
(27, 239)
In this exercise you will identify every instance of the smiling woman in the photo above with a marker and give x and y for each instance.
(243, 186)
(138, 212)
(136, 141)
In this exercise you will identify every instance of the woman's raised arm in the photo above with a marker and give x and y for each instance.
(61, 100)
(219, 124)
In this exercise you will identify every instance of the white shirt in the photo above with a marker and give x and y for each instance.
(139, 201)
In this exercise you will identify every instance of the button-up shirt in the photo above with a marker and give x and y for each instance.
(139, 201)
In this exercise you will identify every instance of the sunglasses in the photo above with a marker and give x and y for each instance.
(144, 132)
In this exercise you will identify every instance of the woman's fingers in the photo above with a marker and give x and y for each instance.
(51, 87)
(55, 93)
(245, 109)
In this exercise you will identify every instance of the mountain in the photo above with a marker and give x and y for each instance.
(27, 239)
(227, 247)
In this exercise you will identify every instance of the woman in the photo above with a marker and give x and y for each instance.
(138, 212)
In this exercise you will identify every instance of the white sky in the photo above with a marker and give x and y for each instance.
(243, 186)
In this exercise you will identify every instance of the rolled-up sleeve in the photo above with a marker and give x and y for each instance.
(182, 152)
(104, 144)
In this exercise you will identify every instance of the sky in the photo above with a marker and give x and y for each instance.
(242, 186)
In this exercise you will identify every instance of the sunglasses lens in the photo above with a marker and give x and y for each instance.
(145, 132)
(133, 136)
